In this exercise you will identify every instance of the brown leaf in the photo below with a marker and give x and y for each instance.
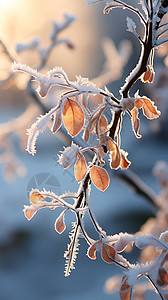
(29, 214)
(35, 197)
(125, 289)
(147, 74)
(108, 253)
(60, 222)
(87, 133)
(57, 121)
(152, 77)
(135, 122)
(73, 117)
(114, 155)
(149, 109)
(99, 177)
(162, 277)
(103, 123)
(80, 167)
(92, 250)
(124, 163)
(139, 103)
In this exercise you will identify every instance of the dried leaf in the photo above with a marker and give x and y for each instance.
(114, 155)
(80, 167)
(135, 122)
(108, 253)
(57, 121)
(149, 109)
(60, 222)
(92, 249)
(29, 214)
(73, 117)
(125, 289)
(99, 177)
(146, 76)
(162, 277)
(103, 123)
(124, 163)
(87, 133)
(139, 103)
(35, 197)
(152, 77)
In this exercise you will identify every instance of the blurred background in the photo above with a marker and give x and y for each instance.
(31, 253)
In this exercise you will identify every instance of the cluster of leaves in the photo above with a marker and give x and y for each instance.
(74, 113)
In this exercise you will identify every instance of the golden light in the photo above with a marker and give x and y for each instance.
(7, 3)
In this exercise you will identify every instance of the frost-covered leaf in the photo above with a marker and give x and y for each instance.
(91, 253)
(108, 253)
(29, 211)
(135, 122)
(103, 123)
(114, 155)
(124, 162)
(99, 177)
(68, 156)
(149, 109)
(35, 196)
(131, 26)
(80, 167)
(60, 222)
(36, 129)
(57, 121)
(73, 117)
(125, 289)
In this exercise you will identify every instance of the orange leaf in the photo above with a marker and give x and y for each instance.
(103, 123)
(35, 197)
(147, 75)
(80, 167)
(162, 277)
(73, 117)
(100, 178)
(29, 213)
(139, 103)
(125, 289)
(87, 133)
(114, 155)
(57, 121)
(149, 109)
(135, 122)
(108, 253)
(124, 163)
(60, 222)
(92, 249)
(152, 77)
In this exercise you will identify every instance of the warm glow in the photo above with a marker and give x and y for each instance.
(6, 3)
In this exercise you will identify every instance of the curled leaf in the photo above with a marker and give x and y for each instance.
(73, 117)
(93, 248)
(80, 167)
(146, 76)
(99, 177)
(108, 253)
(103, 123)
(125, 289)
(35, 197)
(29, 214)
(124, 163)
(149, 109)
(135, 122)
(114, 155)
(162, 277)
(57, 121)
(60, 222)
